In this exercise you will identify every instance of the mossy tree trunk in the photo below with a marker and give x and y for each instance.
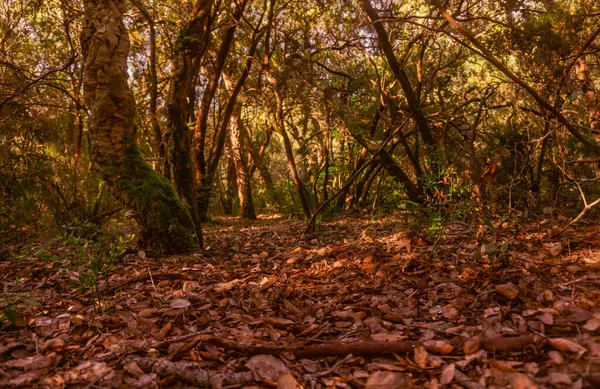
(166, 226)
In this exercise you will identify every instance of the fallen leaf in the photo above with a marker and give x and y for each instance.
(563, 344)
(386, 380)
(179, 303)
(420, 356)
(287, 381)
(510, 291)
(472, 345)
(441, 346)
(267, 366)
(448, 374)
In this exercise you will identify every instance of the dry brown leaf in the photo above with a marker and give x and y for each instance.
(592, 325)
(441, 346)
(278, 321)
(510, 291)
(179, 303)
(472, 345)
(420, 356)
(563, 344)
(190, 286)
(547, 318)
(226, 286)
(267, 366)
(386, 380)
(450, 312)
(287, 381)
(148, 312)
(448, 374)
(291, 308)
(559, 378)
(55, 344)
(266, 283)
(388, 337)
(520, 381)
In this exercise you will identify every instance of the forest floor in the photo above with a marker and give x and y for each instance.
(361, 303)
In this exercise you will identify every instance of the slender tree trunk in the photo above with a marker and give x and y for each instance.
(259, 163)
(411, 97)
(385, 158)
(241, 165)
(210, 91)
(166, 225)
(229, 187)
(279, 125)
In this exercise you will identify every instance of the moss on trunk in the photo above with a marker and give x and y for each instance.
(167, 225)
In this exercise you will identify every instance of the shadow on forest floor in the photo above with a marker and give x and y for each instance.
(361, 303)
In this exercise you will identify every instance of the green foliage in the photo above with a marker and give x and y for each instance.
(449, 198)
(93, 254)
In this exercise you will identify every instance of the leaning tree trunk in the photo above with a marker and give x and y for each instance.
(166, 226)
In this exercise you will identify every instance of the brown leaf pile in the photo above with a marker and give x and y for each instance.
(360, 304)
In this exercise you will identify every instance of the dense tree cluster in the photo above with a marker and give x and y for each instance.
(180, 109)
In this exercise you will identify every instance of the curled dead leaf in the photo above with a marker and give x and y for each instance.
(563, 344)
(510, 291)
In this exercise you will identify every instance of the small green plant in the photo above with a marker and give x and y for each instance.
(93, 253)
(448, 198)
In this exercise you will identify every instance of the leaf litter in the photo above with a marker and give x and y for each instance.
(360, 304)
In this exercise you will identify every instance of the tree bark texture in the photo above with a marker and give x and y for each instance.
(189, 50)
(241, 165)
(166, 226)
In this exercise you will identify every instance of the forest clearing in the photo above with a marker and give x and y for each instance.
(300, 194)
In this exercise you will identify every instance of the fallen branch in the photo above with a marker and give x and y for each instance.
(371, 349)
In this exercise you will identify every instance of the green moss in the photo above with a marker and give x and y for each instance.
(167, 227)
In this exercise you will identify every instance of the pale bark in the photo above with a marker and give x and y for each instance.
(590, 96)
(241, 165)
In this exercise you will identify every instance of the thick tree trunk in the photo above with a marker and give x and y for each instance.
(166, 226)
(241, 165)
